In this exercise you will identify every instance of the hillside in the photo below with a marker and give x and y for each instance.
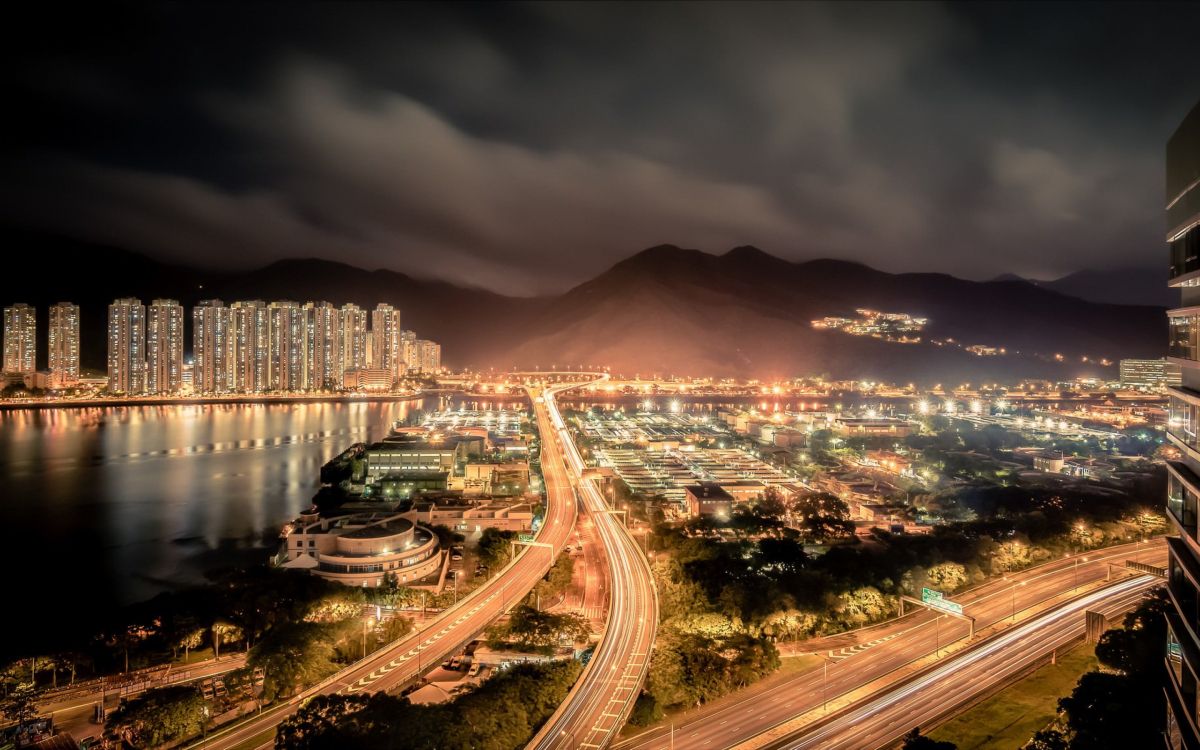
(664, 310)
(674, 310)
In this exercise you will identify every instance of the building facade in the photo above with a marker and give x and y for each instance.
(353, 355)
(429, 357)
(127, 346)
(20, 339)
(164, 347)
(359, 550)
(322, 347)
(1149, 374)
(251, 346)
(385, 330)
(286, 360)
(214, 354)
(63, 349)
(1183, 430)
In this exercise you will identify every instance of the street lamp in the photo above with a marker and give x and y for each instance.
(369, 622)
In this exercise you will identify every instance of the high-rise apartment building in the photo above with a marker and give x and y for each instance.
(251, 346)
(286, 357)
(214, 350)
(20, 339)
(1183, 430)
(164, 347)
(63, 349)
(385, 329)
(322, 347)
(429, 357)
(127, 346)
(353, 338)
(410, 351)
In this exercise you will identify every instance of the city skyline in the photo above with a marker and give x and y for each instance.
(609, 376)
(248, 347)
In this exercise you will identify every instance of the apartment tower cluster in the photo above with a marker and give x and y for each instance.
(20, 343)
(246, 347)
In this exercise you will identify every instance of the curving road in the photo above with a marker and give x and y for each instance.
(882, 652)
(401, 663)
(598, 705)
(937, 693)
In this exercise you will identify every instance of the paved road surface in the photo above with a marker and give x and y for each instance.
(862, 656)
(600, 702)
(887, 717)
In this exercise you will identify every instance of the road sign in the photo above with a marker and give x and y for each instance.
(525, 538)
(938, 600)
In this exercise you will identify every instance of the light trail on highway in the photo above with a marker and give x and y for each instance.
(882, 652)
(600, 702)
(935, 694)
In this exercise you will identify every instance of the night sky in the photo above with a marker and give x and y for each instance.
(528, 147)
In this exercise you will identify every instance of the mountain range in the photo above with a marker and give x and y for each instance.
(1124, 286)
(661, 311)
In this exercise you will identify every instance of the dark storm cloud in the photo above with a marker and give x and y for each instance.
(526, 147)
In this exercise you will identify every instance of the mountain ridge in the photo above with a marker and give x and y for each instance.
(665, 309)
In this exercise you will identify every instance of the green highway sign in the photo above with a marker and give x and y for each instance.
(525, 538)
(938, 600)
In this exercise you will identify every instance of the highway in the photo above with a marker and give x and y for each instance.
(403, 662)
(600, 702)
(935, 694)
(883, 653)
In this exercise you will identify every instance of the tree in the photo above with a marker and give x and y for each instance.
(293, 656)
(495, 547)
(558, 578)
(190, 639)
(394, 628)
(1048, 739)
(318, 724)
(224, 632)
(530, 628)
(820, 515)
(947, 576)
(159, 716)
(914, 740)
(1108, 710)
(20, 705)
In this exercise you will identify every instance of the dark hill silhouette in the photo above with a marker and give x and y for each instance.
(666, 309)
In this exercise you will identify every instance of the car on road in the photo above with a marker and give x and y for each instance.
(456, 663)
(456, 557)
(474, 669)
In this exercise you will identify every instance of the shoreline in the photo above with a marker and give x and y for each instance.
(16, 405)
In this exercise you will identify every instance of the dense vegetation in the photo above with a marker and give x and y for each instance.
(501, 714)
